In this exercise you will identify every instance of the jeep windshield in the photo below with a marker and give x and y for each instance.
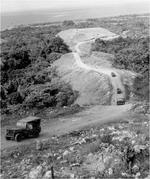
(21, 124)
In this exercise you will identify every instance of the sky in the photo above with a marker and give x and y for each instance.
(24, 5)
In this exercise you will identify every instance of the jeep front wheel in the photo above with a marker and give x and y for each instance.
(18, 137)
(7, 138)
(36, 135)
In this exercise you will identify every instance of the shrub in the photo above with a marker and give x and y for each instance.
(53, 57)
(3, 104)
(141, 87)
(3, 93)
(92, 147)
(15, 98)
(26, 58)
(50, 95)
(41, 77)
(131, 54)
(54, 44)
(16, 58)
(4, 77)
(68, 23)
(12, 87)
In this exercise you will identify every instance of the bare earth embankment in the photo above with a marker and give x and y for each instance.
(86, 67)
(90, 74)
(102, 141)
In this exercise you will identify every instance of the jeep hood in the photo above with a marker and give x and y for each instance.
(16, 128)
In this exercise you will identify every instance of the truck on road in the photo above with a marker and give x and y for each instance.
(121, 101)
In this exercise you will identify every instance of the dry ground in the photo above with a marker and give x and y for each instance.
(92, 116)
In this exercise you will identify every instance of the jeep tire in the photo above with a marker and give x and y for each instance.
(18, 137)
(36, 135)
(7, 138)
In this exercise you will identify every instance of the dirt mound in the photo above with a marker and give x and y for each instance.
(94, 88)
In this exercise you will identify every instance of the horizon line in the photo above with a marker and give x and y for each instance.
(71, 7)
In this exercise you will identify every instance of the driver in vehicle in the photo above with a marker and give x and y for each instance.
(29, 126)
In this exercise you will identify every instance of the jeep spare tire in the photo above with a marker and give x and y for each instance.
(18, 137)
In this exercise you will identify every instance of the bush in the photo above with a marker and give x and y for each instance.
(50, 95)
(3, 104)
(12, 87)
(3, 93)
(68, 23)
(141, 87)
(131, 54)
(15, 98)
(16, 58)
(26, 58)
(55, 44)
(4, 77)
(41, 77)
(141, 107)
(53, 57)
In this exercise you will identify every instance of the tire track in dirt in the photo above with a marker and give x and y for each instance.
(115, 81)
(96, 115)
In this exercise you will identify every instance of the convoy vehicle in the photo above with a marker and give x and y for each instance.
(119, 91)
(113, 74)
(25, 128)
(120, 101)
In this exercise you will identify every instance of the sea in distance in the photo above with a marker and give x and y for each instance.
(13, 19)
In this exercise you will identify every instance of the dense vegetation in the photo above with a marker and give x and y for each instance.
(131, 54)
(27, 78)
(116, 150)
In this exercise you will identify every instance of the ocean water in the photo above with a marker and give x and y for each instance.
(9, 20)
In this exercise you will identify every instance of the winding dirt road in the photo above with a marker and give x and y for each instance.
(115, 81)
(89, 117)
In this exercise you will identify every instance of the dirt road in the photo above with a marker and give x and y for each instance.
(90, 117)
(115, 81)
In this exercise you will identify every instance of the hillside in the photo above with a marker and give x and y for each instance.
(93, 88)
(28, 50)
(27, 79)
(130, 54)
(97, 86)
(47, 70)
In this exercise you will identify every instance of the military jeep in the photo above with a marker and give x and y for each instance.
(25, 128)
(120, 101)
